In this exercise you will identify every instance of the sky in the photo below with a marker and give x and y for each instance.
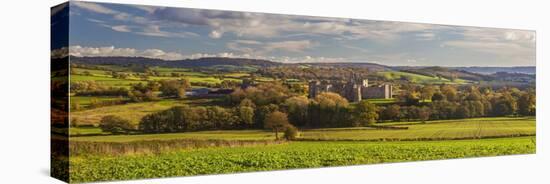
(100, 29)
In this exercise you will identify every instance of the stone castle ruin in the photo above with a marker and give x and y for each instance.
(353, 90)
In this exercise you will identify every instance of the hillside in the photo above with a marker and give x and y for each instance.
(493, 70)
(186, 63)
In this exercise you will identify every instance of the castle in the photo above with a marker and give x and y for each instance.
(353, 90)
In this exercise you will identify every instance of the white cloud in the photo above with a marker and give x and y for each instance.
(496, 48)
(146, 26)
(254, 25)
(215, 34)
(154, 30)
(111, 51)
(121, 28)
(94, 7)
(425, 36)
(125, 52)
(148, 9)
(263, 48)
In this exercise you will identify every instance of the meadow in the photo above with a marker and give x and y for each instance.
(291, 155)
(431, 130)
(132, 111)
(417, 78)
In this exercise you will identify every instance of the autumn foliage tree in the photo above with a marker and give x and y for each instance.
(276, 121)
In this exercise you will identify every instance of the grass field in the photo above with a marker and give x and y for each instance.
(291, 155)
(417, 78)
(218, 134)
(431, 130)
(107, 80)
(102, 77)
(85, 101)
(85, 131)
(382, 101)
(435, 130)
(132, 111)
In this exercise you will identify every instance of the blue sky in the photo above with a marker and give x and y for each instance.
(99, 29)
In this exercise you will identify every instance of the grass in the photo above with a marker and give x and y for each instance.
(107, 80)
(85, 131)
(85, 101)
(100, 76)
(285, 156)
(417, 78)
(382, 101)
(204, 135)
(132, 111)
(434, 130)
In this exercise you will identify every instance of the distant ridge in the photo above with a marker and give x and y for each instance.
(467, 72)
(201, 62)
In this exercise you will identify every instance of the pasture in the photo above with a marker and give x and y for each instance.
(432, 130)
(132, 111)
(417, 78)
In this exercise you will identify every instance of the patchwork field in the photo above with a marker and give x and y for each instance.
(306, 154)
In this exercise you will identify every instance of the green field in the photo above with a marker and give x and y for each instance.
(85, 101)
(132, 111)
(431, 130)
(435, 130)
(107, 80)
(285, 156)
(102, 77)
(205, 135)
(382, 101)
(85, 131)
(417, 78)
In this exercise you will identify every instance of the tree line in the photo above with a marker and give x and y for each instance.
(273, 106)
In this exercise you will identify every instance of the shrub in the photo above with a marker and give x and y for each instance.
(115, 125)
(291, 133)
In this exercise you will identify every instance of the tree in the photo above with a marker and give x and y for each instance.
(246, 112)
(392, 112)
(526, 104)
(329, 110)
(438, 97)
(424, 113)
(276, 121)
(505, 105)
(115, 124)
(366, 113)
(427, 92)
(291, 133)
(411, 98)
(297, 108)
(450, 92)
(330, 99)
(181, 93)
(174, 88)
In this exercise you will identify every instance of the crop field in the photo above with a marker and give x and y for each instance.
(301, 154)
